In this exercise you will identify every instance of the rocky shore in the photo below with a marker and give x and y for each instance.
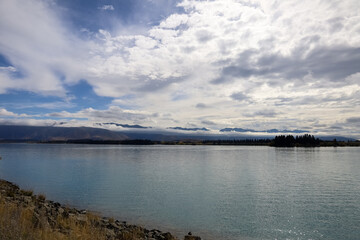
(24, 215)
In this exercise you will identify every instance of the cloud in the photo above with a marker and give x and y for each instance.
(269, 113)
(335, 64)
(189, 129)
(296, 59)
(6, 113)
(242, 130)
(38, 46)
(201, 105)
(239, 96)
(208, 122)
(107, 8)
(353, 120)
(113, 113)
(8, 69)
(123, 125)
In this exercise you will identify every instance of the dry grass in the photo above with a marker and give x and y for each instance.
(41, 197)
(21, 223)
(27, 192)
(26, 216)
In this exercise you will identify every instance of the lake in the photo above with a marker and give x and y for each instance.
(217, 192)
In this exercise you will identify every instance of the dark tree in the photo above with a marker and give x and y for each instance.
(306, 140)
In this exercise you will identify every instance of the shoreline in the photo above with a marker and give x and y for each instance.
(34, 216)
(193, 142)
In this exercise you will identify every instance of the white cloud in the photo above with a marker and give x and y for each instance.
(6, 113)
(7, 69)
(107, 8)
(113, 113)
(37, 44)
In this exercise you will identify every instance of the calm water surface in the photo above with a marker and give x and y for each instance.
(217, 192)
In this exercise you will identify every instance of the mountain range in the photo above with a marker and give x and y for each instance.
(50, 133)
(34, 133)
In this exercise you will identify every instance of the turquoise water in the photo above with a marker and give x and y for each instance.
(217, 192)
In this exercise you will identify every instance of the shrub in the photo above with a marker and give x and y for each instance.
(27, 192)
(41, 197)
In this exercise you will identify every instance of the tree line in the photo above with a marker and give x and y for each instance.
(306, 140)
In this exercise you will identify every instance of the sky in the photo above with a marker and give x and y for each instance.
(183, 65)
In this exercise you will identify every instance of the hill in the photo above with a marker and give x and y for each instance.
(33, 133)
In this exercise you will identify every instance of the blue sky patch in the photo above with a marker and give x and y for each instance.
(80, 96)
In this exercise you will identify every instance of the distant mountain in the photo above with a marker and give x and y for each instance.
(33, 133)
(179, 136)
(338, 138)
(242, 130)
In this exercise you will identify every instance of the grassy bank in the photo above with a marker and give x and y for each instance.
(26, 216)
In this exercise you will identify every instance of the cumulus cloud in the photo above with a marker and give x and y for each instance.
(6, 113)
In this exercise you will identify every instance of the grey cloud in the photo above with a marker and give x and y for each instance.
(263, 113)
(353, 120)
(201, 105)
(208, 122)
(155, 85)
(336, 24)
(243, 130)
(188, 49)
(123, 125)
(57, 115)
(204, 36)
(114, 113)
(305, 100)
(266, 113)
(239, 96)
(111, 113)
(189, 129)
(319, 125)
(336, 127)
(335, 64)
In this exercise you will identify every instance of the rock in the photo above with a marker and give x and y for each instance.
(60, 210)
(46, 214)
(66, 214)
(82, 218)
(168, 236)
(105, 220)
(110, 234)
(190, 237)
(27, 200)
(111, 226)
